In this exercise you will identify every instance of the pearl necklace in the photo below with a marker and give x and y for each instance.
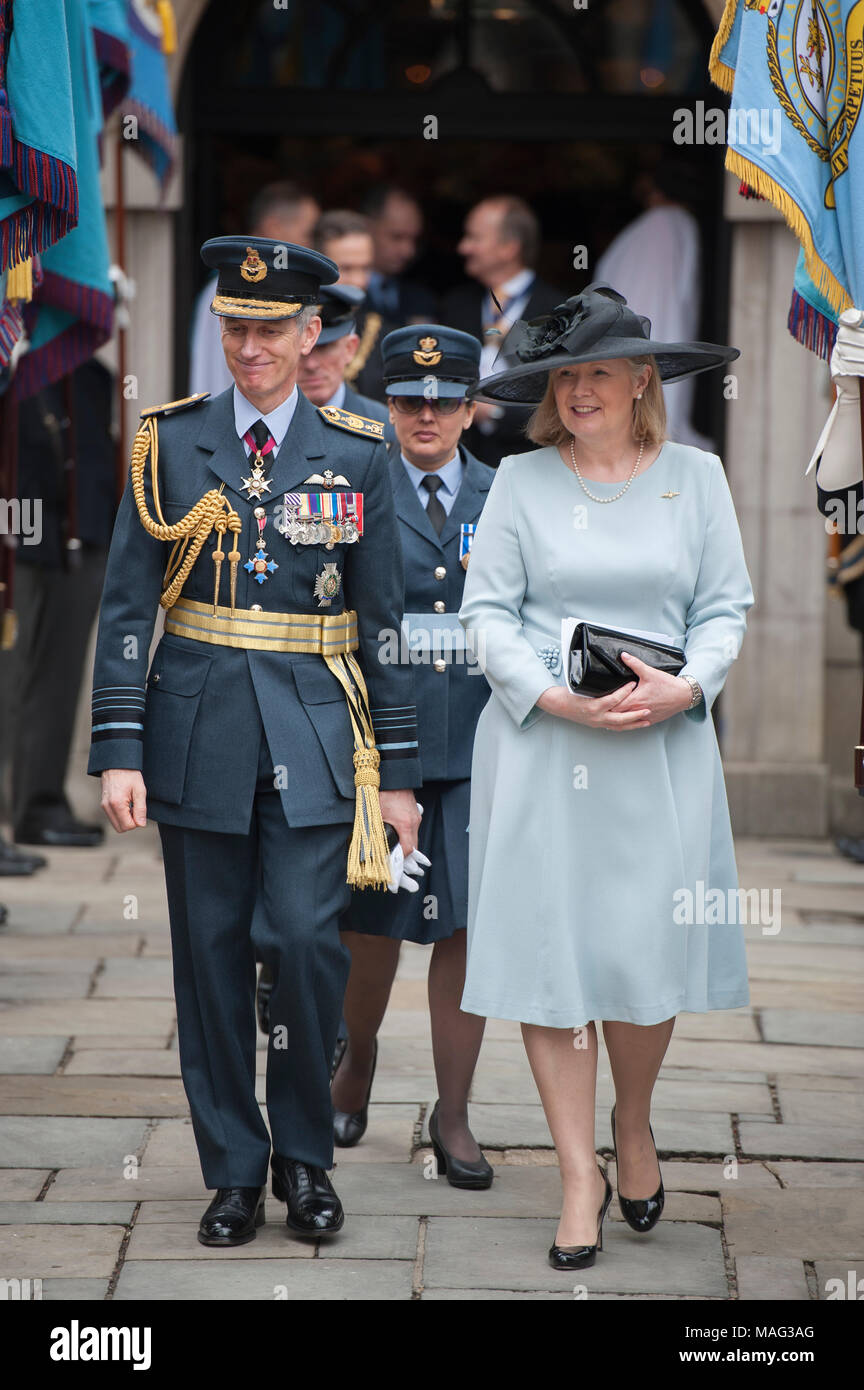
(616, 495)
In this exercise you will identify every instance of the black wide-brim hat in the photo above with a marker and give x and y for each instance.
(593, 326)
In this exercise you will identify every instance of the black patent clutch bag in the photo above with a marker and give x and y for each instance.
(594, 666)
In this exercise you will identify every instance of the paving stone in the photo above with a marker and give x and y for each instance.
(827, 1107)
(71, 1252)
(120, 1042)
(809, 1026)
(547, 1296)
(176, 1240)
(814, 1224)
(801, 1140)
(88, 1184)
(22, 1184)
(373, 1238)
(90, 1016)
(819, 1174)
(39, 919)
(763, 1278)
(47, 966)
(136, 979)
(65, 1142)
(70, 1214)
(74, 947)
(508, 1252)
(735, 1025)
(91, 1095)
(31, 1056)
(138, 1062)
(171, 1144)
(44, 986)
(389, 1138)
(848, 1277)
(74, 1290)
(264, 1280)
(825, 1082)
(764, 1057)
(803, 994)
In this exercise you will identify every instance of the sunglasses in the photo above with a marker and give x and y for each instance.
(412, 405)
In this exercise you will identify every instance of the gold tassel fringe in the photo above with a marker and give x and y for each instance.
(19, 282)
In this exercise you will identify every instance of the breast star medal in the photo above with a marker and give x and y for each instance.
(327, 584)
(259, 565)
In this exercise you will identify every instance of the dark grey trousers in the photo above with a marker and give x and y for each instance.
(213, 882)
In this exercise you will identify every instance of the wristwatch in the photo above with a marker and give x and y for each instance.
(695, 691)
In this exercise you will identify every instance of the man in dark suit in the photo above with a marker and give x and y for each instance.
(396, 223)
(254, 739)
(500, 245)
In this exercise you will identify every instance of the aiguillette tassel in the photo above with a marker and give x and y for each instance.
(218, 557)
(234, 557)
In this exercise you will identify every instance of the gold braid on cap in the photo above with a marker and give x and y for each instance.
(371, 329)
(188, 534)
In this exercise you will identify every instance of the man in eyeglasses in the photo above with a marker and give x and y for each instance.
(439, 490)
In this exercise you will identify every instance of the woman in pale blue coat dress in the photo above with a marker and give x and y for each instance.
(592, 819)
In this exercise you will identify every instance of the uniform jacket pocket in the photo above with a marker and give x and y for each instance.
(174, 688)
(324, 701)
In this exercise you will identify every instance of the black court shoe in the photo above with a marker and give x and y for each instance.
(313, 1206)
(349, 1128)
(641, 1213)
(582, 1256)
(233, 1216)
(472, 1176)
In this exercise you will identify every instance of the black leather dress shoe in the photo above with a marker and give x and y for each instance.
(582, 1256)
(233, 1216)
(14, 864)
(472, 1176)
(262, 998)
(313, 1207)
(349, 1127)
(58, 829)
(642, 1214)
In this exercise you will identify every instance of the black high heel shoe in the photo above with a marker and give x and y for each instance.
(349, 1128)
(583, 1256)
(640, 1213)
(473, 1176)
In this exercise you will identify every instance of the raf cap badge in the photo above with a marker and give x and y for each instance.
(425, 354)
(253, 268)
(327, 584)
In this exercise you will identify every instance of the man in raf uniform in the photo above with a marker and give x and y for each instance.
(322, 374)
(439, 489)
(265, 528)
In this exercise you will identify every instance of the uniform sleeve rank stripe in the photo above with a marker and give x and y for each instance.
(347, 420)
(173, 407)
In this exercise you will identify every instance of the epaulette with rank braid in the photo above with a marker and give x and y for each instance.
(347, 420)
(174, 406)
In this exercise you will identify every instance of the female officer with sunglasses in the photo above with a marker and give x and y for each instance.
(439, 490)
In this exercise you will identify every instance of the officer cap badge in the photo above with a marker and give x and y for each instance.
(253, 268)
(425, 355)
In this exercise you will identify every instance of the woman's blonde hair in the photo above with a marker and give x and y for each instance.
(546, 427)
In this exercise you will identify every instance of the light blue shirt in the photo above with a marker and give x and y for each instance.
(338, 397)
(277, 422)
(450, 474)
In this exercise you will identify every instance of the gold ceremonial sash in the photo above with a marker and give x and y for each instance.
(333, 637)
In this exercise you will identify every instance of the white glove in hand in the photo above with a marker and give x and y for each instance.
(403, 871)
(839, 445)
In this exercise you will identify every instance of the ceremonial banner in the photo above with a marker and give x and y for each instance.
(151, 35)
(796, 68)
